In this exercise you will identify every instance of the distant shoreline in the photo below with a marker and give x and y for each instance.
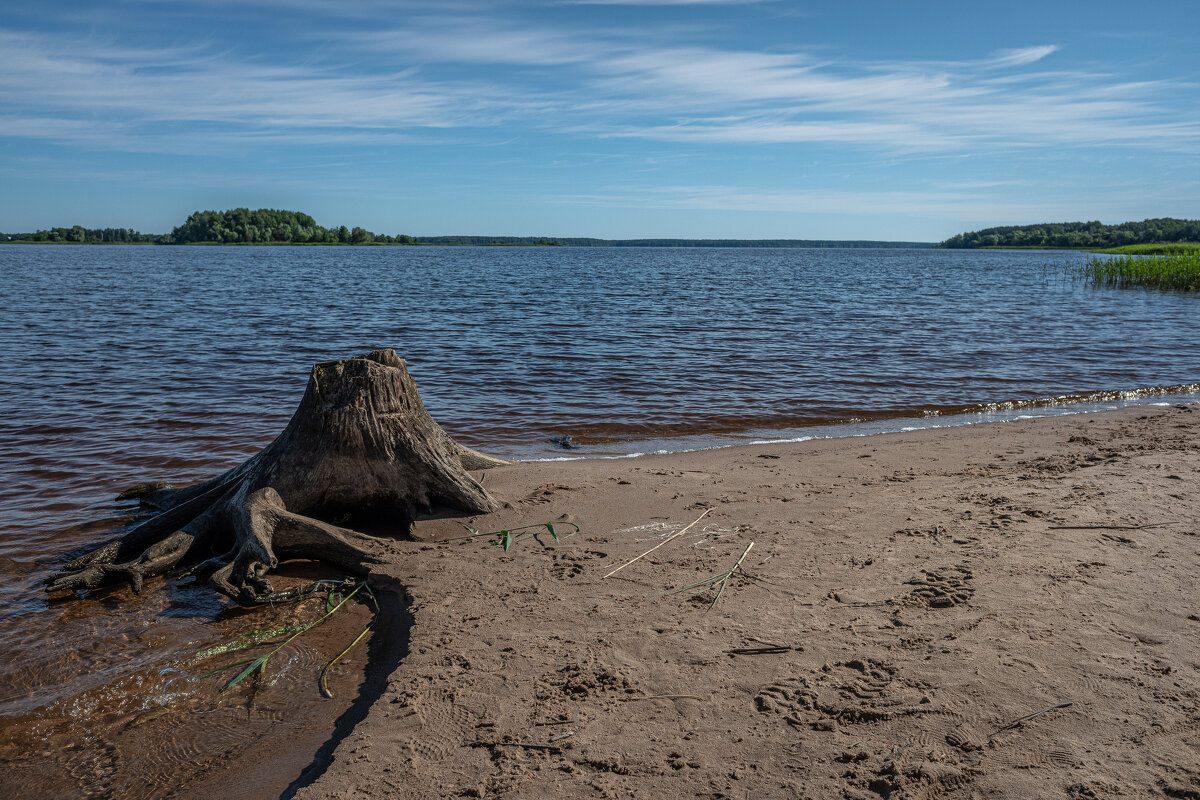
(488, 241)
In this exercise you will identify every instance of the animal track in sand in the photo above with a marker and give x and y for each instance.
(945, 587)
(543, 494)
(917, 778)
(578, 681)
(571, 564)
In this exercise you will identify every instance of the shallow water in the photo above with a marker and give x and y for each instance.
(125, 364)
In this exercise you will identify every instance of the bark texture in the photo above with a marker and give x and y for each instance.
(360, 444)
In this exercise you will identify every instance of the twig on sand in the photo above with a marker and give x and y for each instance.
(721, 580)
(665, 697)
(1028, 717)
(765, 643)
(526, 745)
(757, 651)
(1108, 527)
(660, 544)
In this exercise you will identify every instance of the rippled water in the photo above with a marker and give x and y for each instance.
(124, 364)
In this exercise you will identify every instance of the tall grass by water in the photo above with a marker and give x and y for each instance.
(1174, 271)
(1160, 249)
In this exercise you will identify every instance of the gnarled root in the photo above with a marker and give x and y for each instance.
(258, 525)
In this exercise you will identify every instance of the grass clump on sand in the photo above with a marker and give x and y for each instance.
(1174, 271)
(507, 538)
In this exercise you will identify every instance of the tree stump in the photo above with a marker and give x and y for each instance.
(360, 445)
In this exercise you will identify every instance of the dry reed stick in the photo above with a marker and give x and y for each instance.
(1028, 717)
(660, 544)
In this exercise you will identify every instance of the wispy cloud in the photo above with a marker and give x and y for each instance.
(398, 82)
(962, 206)
(113, 89)
(1022, 56)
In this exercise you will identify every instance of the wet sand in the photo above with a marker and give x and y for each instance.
(916, 595)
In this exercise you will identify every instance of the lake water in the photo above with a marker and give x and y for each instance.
(125, 364)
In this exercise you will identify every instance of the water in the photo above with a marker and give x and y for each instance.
(125, 364)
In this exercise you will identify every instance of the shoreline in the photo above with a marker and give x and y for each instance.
(927, 588)
(873, 424)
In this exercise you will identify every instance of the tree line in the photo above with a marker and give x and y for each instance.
(77, 234)
(274, 226)
(1080, 235)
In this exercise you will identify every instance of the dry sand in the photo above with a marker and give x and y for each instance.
(927, 589)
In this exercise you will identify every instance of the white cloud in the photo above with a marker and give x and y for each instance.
(398, 83)
(1022, 56)
(958, 207)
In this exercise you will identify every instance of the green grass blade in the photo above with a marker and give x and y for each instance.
(258, 663)
(252, 639)
(261, 661)
(323, 682)
(720, 591)
(219, 670)
(550, 528)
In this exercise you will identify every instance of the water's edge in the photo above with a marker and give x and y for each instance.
(883, 422)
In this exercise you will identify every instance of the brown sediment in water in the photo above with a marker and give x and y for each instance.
(107, 697)
(1004, 610)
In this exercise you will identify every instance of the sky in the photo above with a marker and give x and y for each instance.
(609, 118)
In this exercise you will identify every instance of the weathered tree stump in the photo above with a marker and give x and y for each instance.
(360, 444)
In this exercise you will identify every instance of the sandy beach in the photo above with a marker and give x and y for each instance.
(1003, 610)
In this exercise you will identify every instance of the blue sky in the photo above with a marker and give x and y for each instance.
(639, 118)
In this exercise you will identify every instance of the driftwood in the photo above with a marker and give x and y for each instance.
(360, 447)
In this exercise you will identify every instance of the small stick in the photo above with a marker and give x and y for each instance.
(1108, 527)
(664, 697)
(660, 544)
(757, 651)
(729, 575)
(561, 736)
(765, 642)
(526, 745)
(1028, 717)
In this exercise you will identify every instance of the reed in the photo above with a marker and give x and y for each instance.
(1176, 271)
(336, 597)
(1160, 249)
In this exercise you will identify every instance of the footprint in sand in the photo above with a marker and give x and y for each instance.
(436, 727)
(572, 564)
(945, 587)
(848, 692)
(543, 494)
